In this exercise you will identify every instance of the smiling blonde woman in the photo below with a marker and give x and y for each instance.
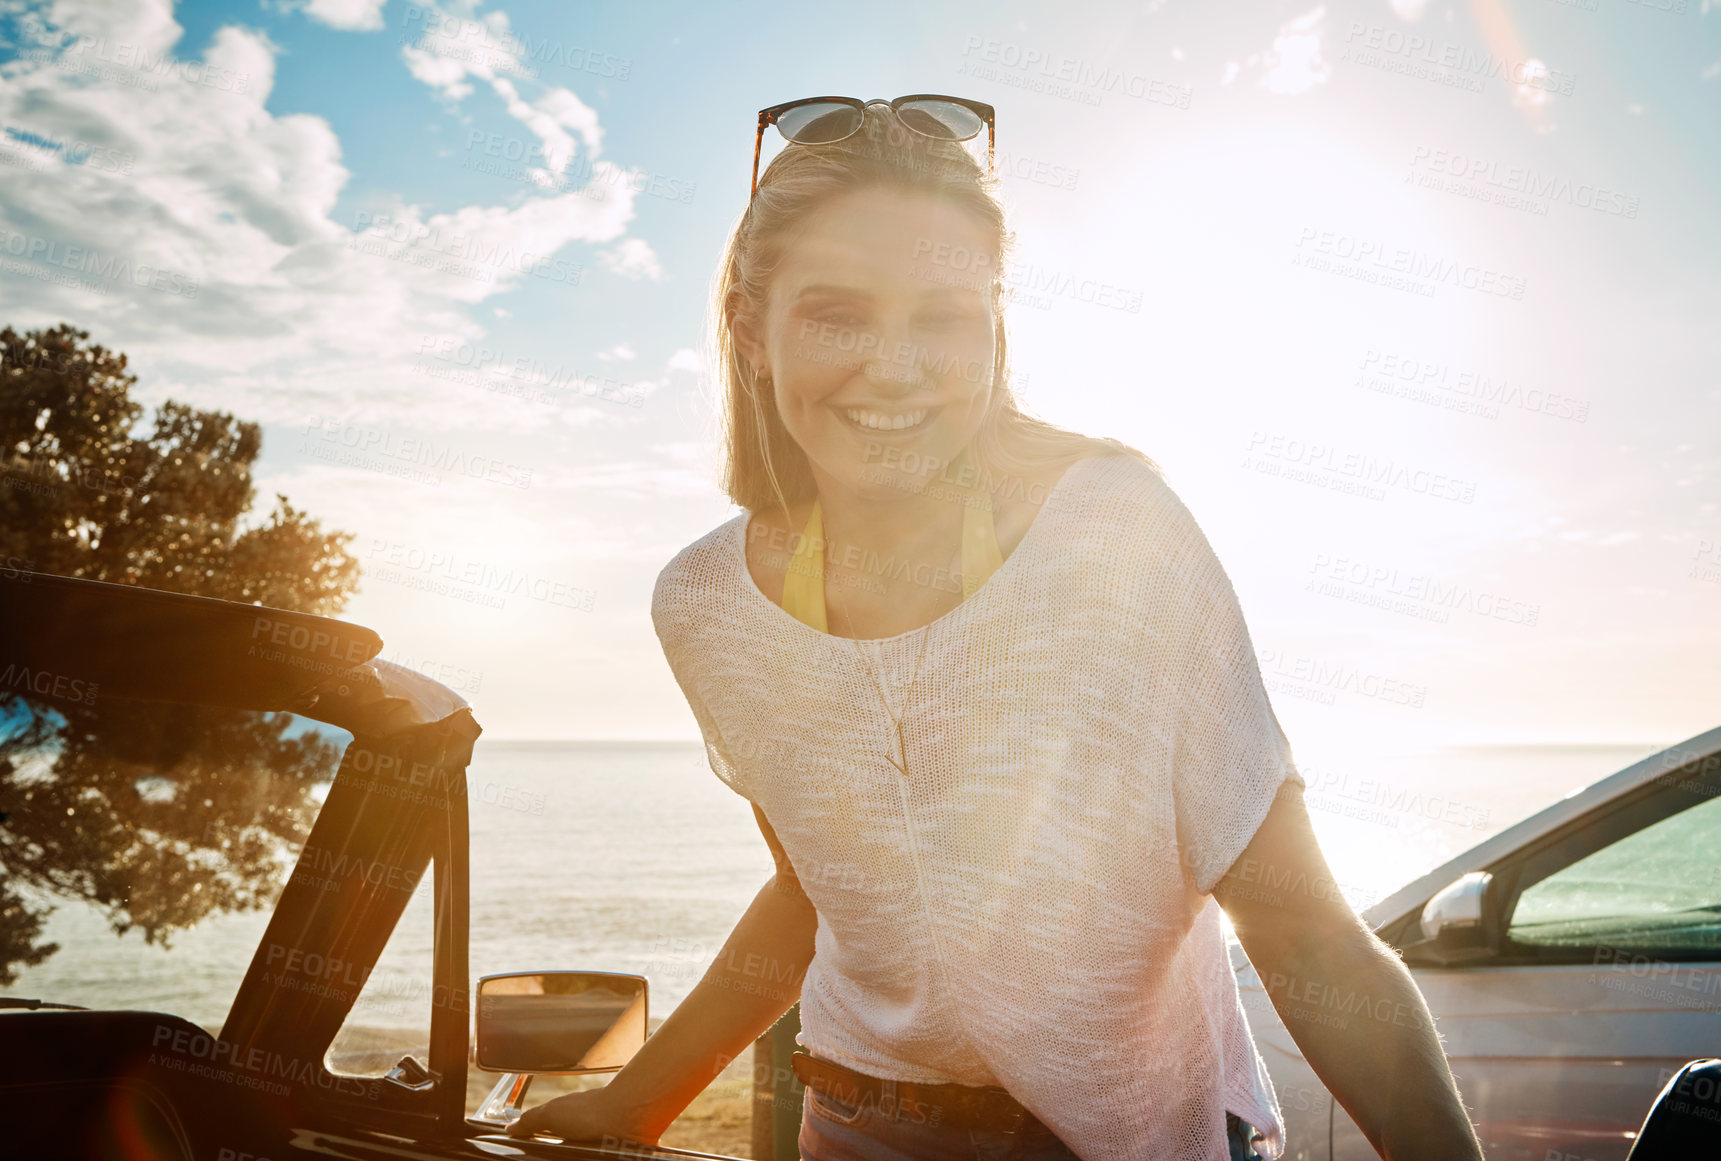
(994, 703)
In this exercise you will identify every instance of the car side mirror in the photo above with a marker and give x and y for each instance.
(1457, 923)
(554, 1022)
(560, 1022)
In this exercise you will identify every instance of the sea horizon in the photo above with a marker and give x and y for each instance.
(630, 855)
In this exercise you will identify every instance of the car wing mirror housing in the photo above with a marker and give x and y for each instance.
(1459, 924)
(567, 1023)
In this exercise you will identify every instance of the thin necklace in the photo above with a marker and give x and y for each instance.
(900, 763)
(804, 598)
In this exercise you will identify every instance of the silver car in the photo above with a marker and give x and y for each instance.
(1572, 964)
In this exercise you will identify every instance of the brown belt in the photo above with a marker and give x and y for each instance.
(956, 1106)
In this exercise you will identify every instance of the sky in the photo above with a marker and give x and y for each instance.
(1416, 304)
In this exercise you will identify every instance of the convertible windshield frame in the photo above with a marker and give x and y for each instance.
(399, 799)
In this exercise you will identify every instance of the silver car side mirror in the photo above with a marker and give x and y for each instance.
(1455, 921)
(1458, 904)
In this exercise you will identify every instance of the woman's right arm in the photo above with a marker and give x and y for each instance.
(754, 980)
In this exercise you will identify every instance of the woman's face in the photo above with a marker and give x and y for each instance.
(879, 336)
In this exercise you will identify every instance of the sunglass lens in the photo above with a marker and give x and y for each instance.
(819, 123)
(944, 119)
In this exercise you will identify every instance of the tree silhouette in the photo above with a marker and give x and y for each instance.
(157, 814)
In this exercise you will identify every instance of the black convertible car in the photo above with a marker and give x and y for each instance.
(151, 1086)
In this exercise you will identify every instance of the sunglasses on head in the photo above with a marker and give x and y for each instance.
(822, 120)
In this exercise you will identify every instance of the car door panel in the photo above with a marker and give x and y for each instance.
(1560, 1058)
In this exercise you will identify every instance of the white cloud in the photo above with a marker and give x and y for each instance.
(201, 238)
(619, 351)
(447, 47)
(439, 72)
(644, 389)
(241, 53)
(632, 258)
(474, 252)
(551, 128)
(449, 50)
(1294, 63)
(144, 26)
(686, 359)
(567, 110)
(347, 15)
(452, 49)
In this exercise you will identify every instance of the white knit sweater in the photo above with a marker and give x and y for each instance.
(1089, 750)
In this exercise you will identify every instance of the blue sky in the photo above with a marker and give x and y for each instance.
(1471, 246)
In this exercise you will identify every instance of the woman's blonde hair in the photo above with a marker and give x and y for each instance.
(762, 461)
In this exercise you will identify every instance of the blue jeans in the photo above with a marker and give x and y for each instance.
(836, 1130)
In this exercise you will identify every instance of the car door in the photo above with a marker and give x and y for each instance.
(1606, 977)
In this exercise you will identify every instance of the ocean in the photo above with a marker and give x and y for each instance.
(632, 857)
